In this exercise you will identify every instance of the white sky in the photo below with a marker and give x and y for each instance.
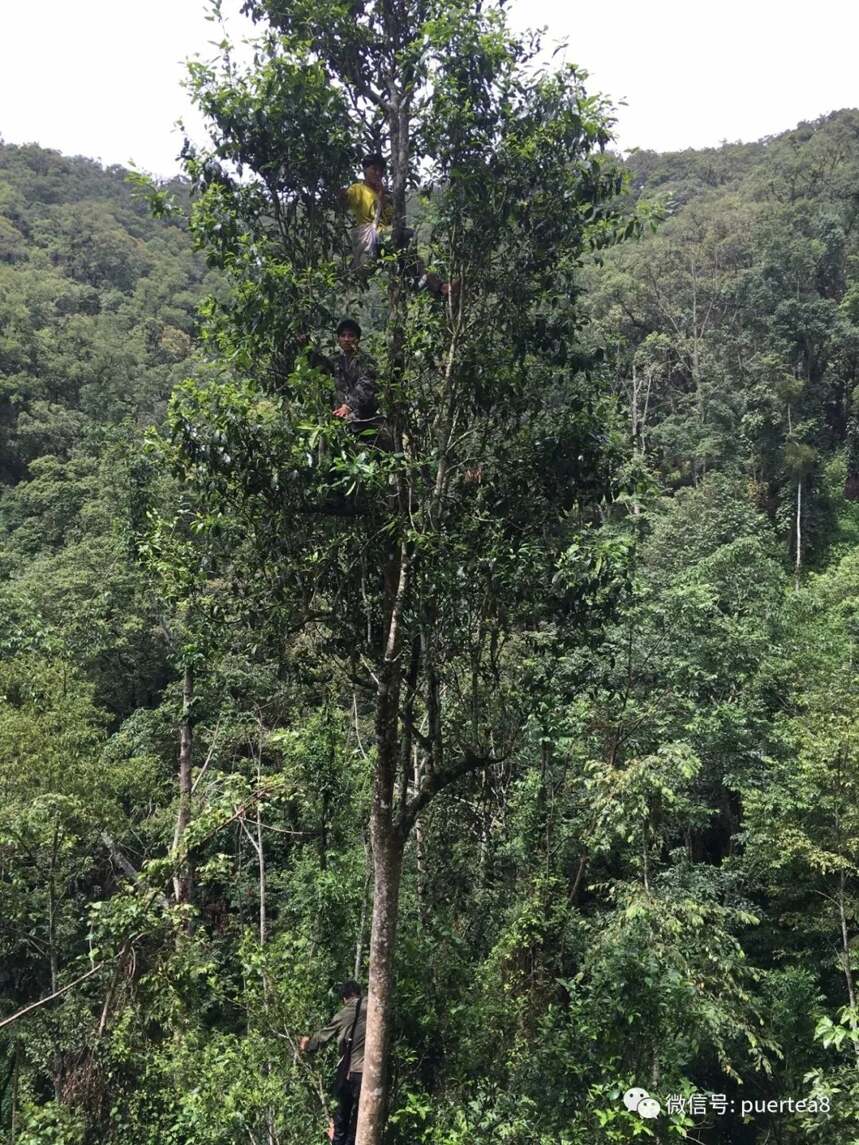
(102, 77)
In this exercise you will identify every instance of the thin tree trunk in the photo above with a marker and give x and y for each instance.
(636, 437)
(258, 845)
(848, 973)
(13, 1129)
(52, 911)
(52, 947)
(362, 924)
(419, 839)
(577, 881)
(263, 922)
(183, 885)
(798, 567)
(633, 412)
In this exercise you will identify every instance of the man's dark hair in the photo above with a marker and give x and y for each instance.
(374, 159)
(348, 324)
(350, 989)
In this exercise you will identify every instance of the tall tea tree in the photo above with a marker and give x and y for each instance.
(425, 573)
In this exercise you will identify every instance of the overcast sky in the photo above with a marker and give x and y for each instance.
(102, 77)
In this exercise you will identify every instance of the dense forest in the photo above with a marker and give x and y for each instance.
(545, 715)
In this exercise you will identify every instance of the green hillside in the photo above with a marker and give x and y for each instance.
(653, 881)
(98, 318)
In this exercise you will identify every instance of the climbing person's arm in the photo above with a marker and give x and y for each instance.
(315, 357)
(320, 361)
(310, 1045)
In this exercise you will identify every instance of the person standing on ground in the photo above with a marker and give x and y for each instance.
(348, 1027)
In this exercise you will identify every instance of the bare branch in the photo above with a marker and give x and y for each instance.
(50, 997)
(210, 754)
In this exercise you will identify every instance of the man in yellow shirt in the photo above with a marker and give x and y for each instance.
(373, 214)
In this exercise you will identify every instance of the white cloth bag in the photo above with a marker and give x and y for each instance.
(365, 239)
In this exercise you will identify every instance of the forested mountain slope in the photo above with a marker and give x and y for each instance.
(658, 885)
(98, 313)
(739, 320)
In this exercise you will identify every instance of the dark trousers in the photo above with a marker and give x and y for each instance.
(346, 1114)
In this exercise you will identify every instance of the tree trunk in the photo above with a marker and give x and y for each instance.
(362, 924)
(846, 954)
(386, 839)
(636, 436)
(52, 949)
(798, 566)
(13, 1128)
(388, 863)
(263, 924)
(183, 878)
(52, 911)
(387, 844)
(419, 841)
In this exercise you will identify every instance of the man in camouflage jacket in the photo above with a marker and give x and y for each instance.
(354, 374)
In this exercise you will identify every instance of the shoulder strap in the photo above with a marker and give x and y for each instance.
(355, 1023)
(346, 1060)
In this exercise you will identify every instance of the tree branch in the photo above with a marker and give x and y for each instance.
(128, 868)
(50, 997)
(436, 782)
